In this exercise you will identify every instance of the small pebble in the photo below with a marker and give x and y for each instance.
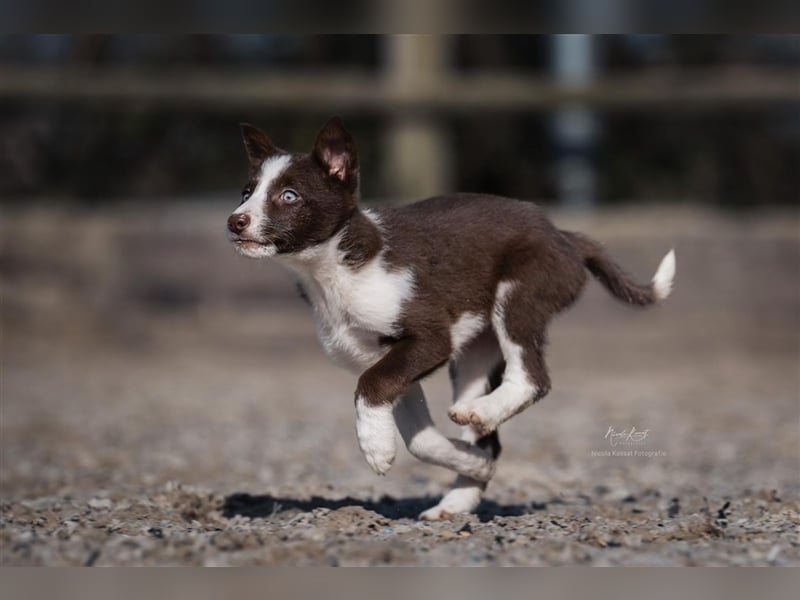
(448, 534)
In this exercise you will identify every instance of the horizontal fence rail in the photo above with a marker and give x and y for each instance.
(449, 93)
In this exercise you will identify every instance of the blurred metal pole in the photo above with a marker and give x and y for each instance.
(417, 151)
(574, 125)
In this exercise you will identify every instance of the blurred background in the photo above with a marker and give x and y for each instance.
(571, 119)
(138, 350)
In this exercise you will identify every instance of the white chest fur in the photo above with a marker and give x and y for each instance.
(353, 307)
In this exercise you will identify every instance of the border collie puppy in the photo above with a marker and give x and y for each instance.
(468, 280)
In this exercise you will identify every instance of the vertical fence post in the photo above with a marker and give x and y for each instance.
(574, 125)
(418, 161)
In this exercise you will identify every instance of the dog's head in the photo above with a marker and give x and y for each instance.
(295, 201)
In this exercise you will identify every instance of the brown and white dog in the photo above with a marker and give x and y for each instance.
(466, 279)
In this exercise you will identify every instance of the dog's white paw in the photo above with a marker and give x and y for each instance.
(437, 513)
(475, 415)
(464, 498)
(375, 430)
(379, 459)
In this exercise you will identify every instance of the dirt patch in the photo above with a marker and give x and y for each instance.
(183, 525)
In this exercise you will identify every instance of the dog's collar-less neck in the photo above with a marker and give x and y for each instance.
(360, 239)
(354, 243)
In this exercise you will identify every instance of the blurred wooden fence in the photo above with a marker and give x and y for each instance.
(414, 88)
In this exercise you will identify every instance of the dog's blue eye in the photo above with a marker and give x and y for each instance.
(289, 196)
(245, 196)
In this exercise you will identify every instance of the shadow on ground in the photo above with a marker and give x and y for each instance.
(264, 506)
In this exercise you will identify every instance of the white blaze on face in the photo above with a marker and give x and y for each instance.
(256, 205)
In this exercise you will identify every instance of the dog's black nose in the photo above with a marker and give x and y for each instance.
(237, 223)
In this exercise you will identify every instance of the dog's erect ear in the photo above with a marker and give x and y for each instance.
(257, 144)
(335, 149)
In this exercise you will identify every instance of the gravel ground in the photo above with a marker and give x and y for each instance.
(165, 403)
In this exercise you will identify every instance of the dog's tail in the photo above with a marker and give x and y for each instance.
(617, 281)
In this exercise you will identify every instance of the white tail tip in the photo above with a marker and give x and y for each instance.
(662, 280)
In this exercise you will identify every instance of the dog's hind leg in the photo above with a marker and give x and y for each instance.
(519, 320)
(476, 372)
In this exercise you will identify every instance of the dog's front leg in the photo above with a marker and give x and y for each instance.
(428, 444)
(379, 387)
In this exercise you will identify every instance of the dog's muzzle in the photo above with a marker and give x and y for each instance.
(238, 222)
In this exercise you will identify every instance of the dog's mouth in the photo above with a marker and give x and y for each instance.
(252, 248)
(240, 241)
